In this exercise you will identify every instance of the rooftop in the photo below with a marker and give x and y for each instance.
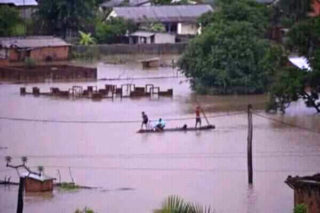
(115, 3)
(20, 3)
(172, 13)
(298, 182)
(37, 177)
(32, 42)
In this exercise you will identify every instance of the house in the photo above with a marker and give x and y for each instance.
(37, 183)
(177, 19)
(142, 37)
(25, 7)
(306, 191)
(116, 3)
(39, 48)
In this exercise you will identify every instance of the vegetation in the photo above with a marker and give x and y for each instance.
(65, 17)
(300, 208)
(175, 204)
(68, 186)
(232, 55)
(291, 84)
(30, 63)
(10, 22)
(85, 210)
(86, 38)
(110, 31)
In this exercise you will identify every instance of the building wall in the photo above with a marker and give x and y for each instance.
(54, 53)
(164, 38)
(308, 196)
(187, 28)
(32, 185)
(40, 54)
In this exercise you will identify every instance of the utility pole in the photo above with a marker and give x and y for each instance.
(21, 178)
(249, 146)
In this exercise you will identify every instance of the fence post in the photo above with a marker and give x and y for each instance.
(249, 146)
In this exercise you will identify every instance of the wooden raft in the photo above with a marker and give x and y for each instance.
(179, 129)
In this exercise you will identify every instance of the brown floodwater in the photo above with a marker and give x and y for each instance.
(136, 172)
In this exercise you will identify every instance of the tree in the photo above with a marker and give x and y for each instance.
(295, 9)
(300, 208)
(175, 204)
(10, 22)
(110, 30)
(86, 38)
(291, 84)
(231, 55)
(65, 17)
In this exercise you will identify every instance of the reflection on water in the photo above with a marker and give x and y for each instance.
(138, 171)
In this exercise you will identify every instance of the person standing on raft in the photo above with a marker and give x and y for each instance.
(145, 120)
(198, 118)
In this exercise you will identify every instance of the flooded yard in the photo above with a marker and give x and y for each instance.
(134, 172)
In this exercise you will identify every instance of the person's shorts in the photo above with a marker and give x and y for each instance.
(145, 121)
(198, 120)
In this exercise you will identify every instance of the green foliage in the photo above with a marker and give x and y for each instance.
(304, 37)
(175, 204)
(30, 63)
(112, 29)
(10, 22)
(152, 26)
(243, 10)
(85, 210)
(295, 9)
(160, 2)
(300, 208)
(64, 17)
(231, 55)
(86, 38)
(68, 186)
(289, 85)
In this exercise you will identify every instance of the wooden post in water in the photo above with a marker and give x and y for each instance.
(250, 175)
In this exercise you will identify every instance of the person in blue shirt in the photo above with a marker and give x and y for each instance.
(159, 126)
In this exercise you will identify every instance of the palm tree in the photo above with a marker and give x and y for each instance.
(175, 204)
(86, 38)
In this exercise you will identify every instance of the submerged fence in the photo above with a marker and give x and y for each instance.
(110, 49)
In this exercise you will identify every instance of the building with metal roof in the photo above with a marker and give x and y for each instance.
(306, 191)
(179, 19)
(37, 47)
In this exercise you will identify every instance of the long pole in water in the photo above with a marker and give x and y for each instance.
(20, 195)
(249, 146)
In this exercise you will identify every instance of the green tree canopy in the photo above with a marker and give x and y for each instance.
(110, 30)
(295, 9)
(231, 55)
(65, 17)
(292, 84)
(10, 22)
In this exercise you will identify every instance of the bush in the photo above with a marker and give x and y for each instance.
(300, 208)
(30, 63)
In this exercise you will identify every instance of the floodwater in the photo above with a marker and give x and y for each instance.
(136, 172)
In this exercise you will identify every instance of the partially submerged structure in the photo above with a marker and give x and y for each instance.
(143, 37)
(306, 191)
(37, 182)
(39, 48)
(177, 19)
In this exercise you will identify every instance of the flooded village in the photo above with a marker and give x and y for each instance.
(159, 106)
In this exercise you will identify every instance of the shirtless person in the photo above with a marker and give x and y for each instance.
(198, 118)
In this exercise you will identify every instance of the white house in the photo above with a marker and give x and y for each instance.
(177, 19)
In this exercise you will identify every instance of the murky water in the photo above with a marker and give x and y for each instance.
(136, 172)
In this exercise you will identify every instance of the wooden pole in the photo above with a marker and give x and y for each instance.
(250, 173)
(20, 195)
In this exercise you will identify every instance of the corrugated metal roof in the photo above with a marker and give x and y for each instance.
(176, 13)
(300, 62)
(20, 2)
(37, 177)
(32, 42)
